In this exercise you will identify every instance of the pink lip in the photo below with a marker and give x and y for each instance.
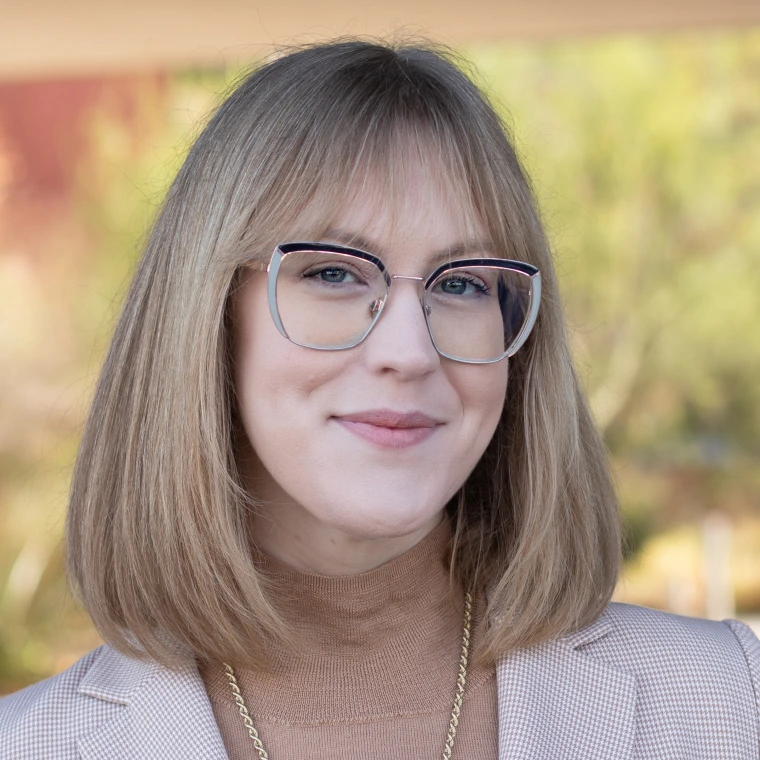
(390, 429)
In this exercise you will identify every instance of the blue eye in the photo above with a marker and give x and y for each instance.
(461, 286)
(335, 275)
(331, 274)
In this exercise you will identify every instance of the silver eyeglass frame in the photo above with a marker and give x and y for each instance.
(282, 250)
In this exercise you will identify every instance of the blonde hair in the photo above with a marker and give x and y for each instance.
(157, 532)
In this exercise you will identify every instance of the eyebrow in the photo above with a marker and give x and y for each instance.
(457, 250)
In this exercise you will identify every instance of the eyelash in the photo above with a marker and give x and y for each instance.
(320, 269)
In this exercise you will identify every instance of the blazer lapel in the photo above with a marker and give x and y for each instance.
(165, 714)
(557, 702)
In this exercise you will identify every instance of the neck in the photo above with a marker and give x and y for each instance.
(290, 534)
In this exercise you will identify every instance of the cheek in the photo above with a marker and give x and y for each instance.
(255, 355)
(275, 380)
(482, 390)
(265, 373)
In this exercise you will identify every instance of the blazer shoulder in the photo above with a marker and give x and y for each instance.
(661, 647)
(48, 714)
(696, 681)
(648, 626)
(751, 648)
(641, 631)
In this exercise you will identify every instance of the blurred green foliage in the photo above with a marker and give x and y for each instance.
(645, 156)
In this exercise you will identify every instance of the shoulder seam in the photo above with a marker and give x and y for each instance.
(732, 626)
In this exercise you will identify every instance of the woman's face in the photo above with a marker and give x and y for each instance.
(330, 470)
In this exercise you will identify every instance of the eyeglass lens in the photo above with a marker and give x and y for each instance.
(331, 300)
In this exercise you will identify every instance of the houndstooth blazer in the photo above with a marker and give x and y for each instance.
(635, 685)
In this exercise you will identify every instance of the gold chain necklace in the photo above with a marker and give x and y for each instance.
(453, 723)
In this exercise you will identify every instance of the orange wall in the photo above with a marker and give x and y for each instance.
(42, 126)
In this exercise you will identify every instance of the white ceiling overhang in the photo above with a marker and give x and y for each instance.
(45, 38)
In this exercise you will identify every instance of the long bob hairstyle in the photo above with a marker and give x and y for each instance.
(158, 545)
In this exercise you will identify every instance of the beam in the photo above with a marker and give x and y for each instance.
(48, 38)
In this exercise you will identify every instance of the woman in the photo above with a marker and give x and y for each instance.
(340, 494)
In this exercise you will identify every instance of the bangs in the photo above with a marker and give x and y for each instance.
(383, 166)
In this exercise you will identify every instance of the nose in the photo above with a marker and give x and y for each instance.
(400, 341)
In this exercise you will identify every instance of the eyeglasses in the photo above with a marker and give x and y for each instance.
(329, 297)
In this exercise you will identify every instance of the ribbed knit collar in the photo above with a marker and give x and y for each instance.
(344, 617)
(375, 644)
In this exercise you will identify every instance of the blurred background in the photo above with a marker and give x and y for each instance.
(641, 128)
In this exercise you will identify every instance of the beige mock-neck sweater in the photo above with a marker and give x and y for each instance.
(377, 675)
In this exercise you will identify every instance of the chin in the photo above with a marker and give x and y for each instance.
(379, 520)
